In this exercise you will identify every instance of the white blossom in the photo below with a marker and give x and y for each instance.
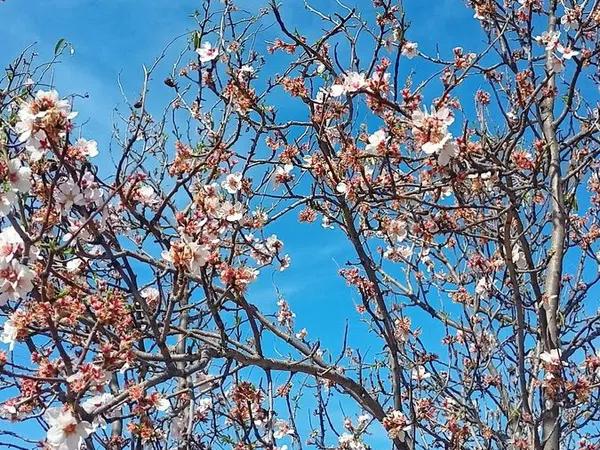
(207, 52)
(65, 432)
(410, 49)
(232, 183)
(9, 334)
(377, 139)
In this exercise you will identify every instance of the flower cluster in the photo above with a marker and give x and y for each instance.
(16, 273)
(44, 122)
(430, 131)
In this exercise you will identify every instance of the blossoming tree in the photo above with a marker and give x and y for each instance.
(128, 317)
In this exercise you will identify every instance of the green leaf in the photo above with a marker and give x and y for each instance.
(63, 44)
(60, 45)
(196, 40)
(227, 440)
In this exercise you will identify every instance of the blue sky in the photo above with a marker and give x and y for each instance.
(115, 38)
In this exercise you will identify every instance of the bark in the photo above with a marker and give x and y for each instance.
(550, 303)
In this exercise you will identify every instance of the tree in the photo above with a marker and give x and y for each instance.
(127, 292)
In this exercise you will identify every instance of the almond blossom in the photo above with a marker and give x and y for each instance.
(16, 280)
(92, 193)
(570, 20)
(144, 287)
(95, 402)
(75, 265)
(397, 229)
(376, 141)
(281, 428)
(19, 176)
(11, 243)
(396, 424)
(518, 257)
(431, 130)
(147, 195)
(552, 357)
(550, 39)
(65, 432)
(351, 82)
(483, 287)
(410, 49)
(187, 254)
(42, 118)
(150, 293)
(321, 96)
(342, 187)
(18, 179)
(232, 183)
(77, 227)
(43, 104)
(68, 194)
(232, 212)
(449, 151)
(88, 375)
(419, 373)
(398, 254)
(7, 201)
(349, 441)
(204, 405)
(285, 316)
(163, 404)
(207, 52)
(567, 52)
(283, 173)
(85, 148)
(37, 145)
(557, 64)
(9, 411)
(302, 334)
(9, 334)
